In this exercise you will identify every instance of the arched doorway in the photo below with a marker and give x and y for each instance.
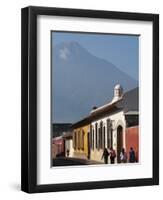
(119, 142)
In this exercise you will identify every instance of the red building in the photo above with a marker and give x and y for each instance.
(58, 147)
(132, 140)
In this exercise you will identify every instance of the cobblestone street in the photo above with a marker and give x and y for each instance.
(64, 161)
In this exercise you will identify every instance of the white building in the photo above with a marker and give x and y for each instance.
(115, 124)
(109, 123)
(69, 150)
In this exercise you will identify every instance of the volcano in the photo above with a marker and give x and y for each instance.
(81, 80)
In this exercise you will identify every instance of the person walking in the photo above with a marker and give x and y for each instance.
(132, 157)
(112, 155)
(123, 156)
(105, 156)
(68, 152)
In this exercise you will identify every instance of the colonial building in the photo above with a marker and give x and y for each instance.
(58, 147)
(58, 142)
(81, 139)
(69, 150)
(114, 124)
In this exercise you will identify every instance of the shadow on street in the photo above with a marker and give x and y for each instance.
(64, 161)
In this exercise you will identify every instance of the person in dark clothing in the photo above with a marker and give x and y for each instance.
(68, 152)
(112, 155)
(105, 156)
(132, 157)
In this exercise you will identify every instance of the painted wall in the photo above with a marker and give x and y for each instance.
(132, 140)
(58, 147)
(82, 152)
(118, 119)
(69, 146)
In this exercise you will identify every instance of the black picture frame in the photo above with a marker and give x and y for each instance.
(29, 99)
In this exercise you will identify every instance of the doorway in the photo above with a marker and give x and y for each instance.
(119, 142)
(88, 145)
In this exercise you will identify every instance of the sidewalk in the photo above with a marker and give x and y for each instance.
(83, 161)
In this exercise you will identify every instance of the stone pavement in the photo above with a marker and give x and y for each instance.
(68, 161)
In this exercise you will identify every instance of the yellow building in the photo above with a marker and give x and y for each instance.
(81, 139)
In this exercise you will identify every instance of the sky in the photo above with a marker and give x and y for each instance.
(121, 50)
(75, 88)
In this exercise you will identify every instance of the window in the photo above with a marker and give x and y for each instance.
(93, 139)
(96, 132)
(74, 140)
(103, 146)
(78, 139)
(109, 134)
(90, 137)
(82, 144)
(101, 135)
(99, 138)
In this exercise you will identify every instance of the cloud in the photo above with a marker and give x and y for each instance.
(64, 53)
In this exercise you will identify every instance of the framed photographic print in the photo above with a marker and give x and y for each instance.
(90, 99)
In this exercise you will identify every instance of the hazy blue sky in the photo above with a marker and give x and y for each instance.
(121, 50)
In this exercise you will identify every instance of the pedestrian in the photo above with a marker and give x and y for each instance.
(68, 152)
(123, 156)
(132, 157)
(105, 156)
(112, 155)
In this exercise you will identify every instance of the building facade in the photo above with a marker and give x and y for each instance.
(132, 140)
(69, 150)
(113, 125)
(110, 126)
(81, 140)
(106, 132)
(58, 147)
